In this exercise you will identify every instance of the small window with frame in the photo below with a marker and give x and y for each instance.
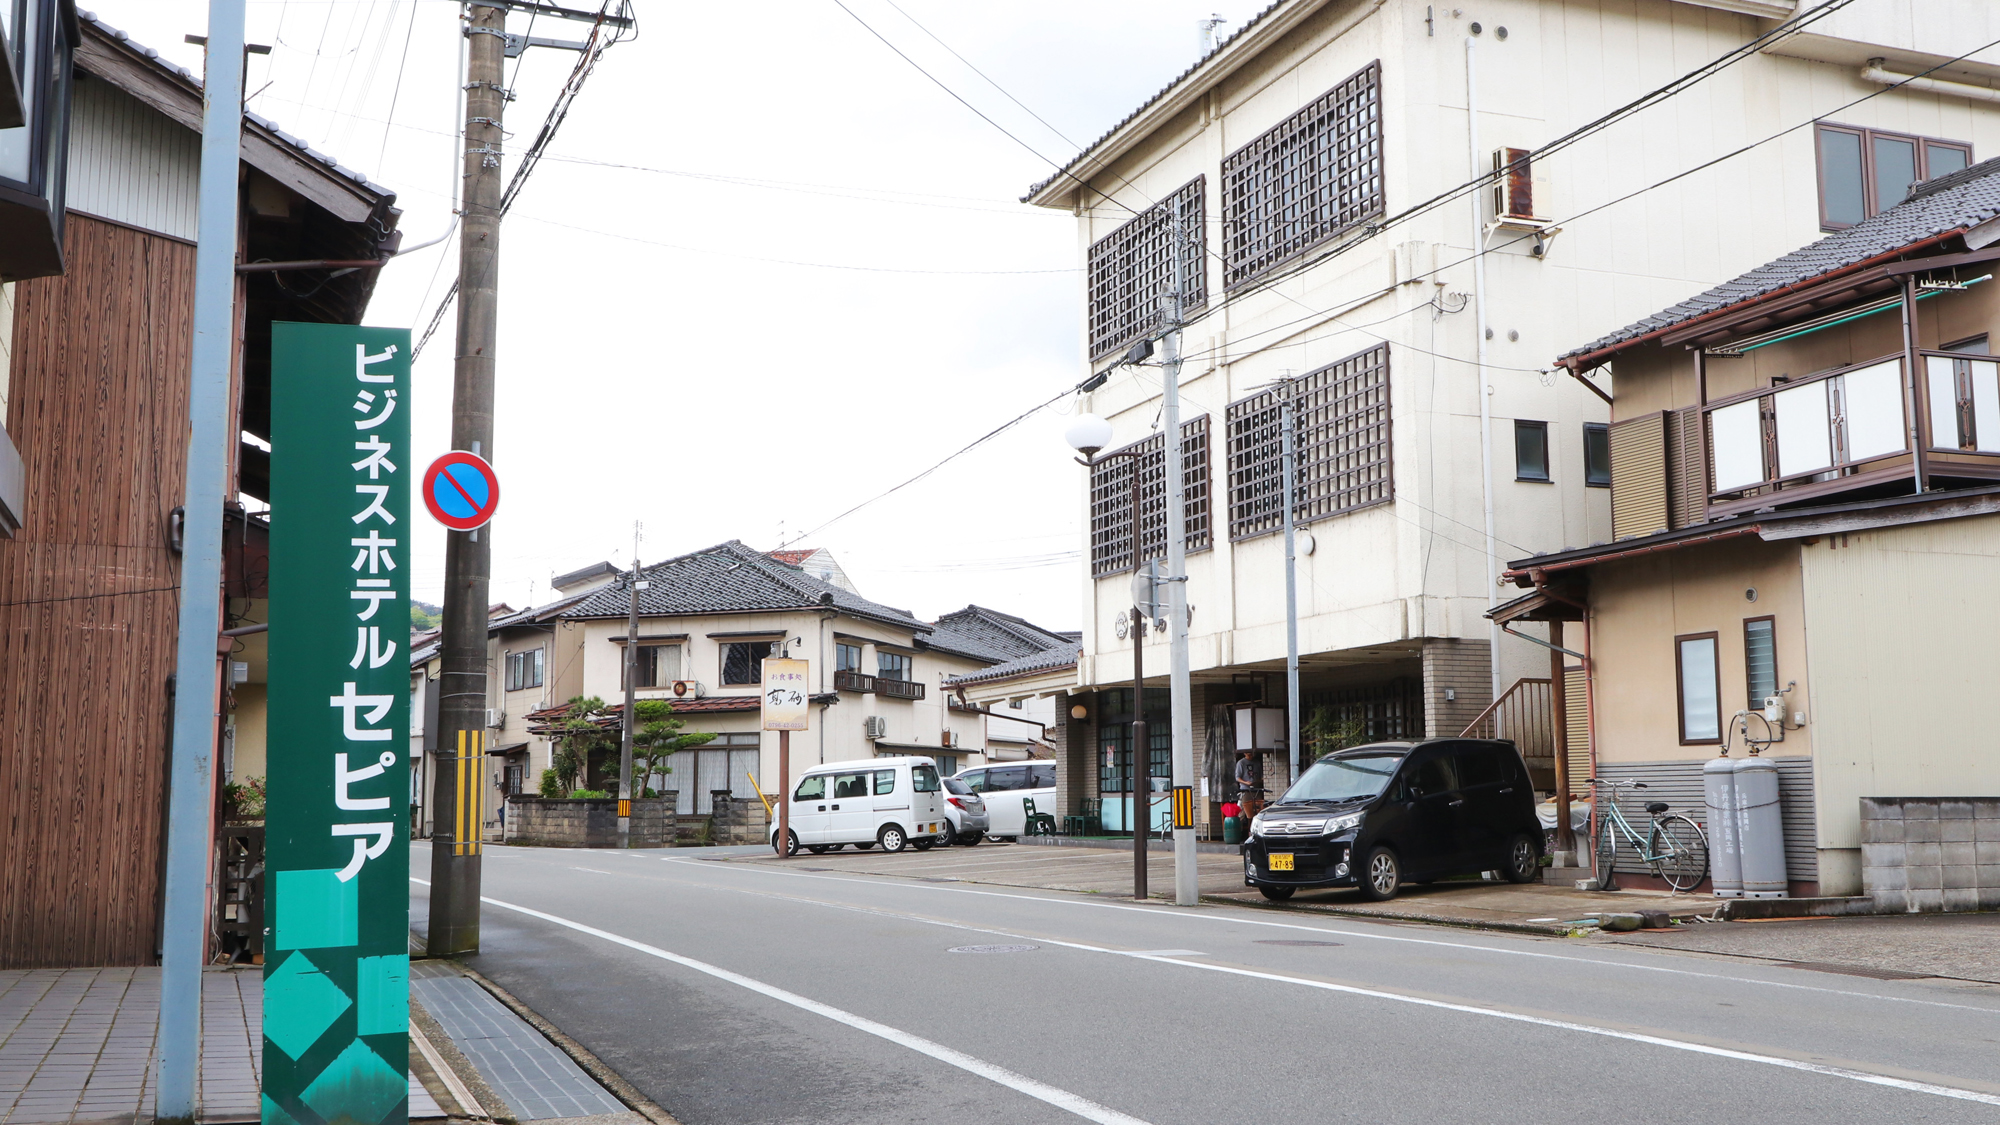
(743, 662)
(846, 657)
(1597, 455)
(1697, 676)
(1760, 665)
(1531, 451)
(1866, 171)
(892, 665)
(656, 665)
(524, 670)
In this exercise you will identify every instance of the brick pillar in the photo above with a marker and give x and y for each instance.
(1464, 669)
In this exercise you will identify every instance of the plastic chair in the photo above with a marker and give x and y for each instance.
(1037, 824)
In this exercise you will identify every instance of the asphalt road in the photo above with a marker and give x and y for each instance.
(739, 992)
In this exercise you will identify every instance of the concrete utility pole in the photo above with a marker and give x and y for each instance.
(1288, 456)
(1187, 877)
(454, 920)
(191, 773)
(631, 702)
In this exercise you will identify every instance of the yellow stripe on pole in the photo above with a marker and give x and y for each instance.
(458, 804)
(1183, 806)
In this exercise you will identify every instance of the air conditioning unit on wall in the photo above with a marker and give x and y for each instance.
(495, 718)
(688, 689)
(875, 726)
(948, 738)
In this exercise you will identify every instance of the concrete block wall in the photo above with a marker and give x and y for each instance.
(567, 822)
(1925, 854)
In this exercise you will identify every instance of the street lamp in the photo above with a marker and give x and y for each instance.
(1088, 435)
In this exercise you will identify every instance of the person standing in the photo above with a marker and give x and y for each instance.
(1249, 782)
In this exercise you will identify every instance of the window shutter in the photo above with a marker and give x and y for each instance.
(1576, 728)
(1687, 468)
(1638, 476)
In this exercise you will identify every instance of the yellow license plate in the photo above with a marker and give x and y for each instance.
(1281, 861)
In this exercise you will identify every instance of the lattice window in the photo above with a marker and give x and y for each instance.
(1111, 499)
(1343, 446)
(1131, 268)
(1316, 174)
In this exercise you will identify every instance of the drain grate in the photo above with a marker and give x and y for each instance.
(1274, 941)
(994, 949)
(1858, 971)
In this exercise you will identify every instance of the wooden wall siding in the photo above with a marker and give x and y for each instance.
(129, 163)
(88, 599)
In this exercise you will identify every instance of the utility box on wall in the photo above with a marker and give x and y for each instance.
(1260, 728)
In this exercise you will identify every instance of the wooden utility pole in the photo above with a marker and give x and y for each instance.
(455, 840)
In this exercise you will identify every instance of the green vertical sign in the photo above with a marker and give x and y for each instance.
(336, 882)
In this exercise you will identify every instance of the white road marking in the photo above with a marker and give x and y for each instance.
(1167, 957)
(1179, 913)
(1041, 1091)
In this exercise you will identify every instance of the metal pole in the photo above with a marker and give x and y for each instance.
(1187, 876)
(785, 787)
(631, 703)
(190, 812)
(1487, 580)
(1288, 457)
(1142, 750)
(454, 915)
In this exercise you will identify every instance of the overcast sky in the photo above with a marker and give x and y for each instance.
(809, 280)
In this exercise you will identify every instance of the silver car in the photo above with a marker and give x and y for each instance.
(965, 812)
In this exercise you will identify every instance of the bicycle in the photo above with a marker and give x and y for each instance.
(1675, 848)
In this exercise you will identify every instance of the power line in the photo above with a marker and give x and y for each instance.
(947, 459)
(594, 47)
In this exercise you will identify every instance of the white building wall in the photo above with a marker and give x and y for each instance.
(129, 163)
(1417, 567)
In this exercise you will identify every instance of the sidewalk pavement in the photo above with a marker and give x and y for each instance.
(1533, 907)
(76, 1045)
(1955, 946)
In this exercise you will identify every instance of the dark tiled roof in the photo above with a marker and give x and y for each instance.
(1079, 158)
(1949, 203)
(733, 578)
(1048, 660)
(194, 79)
(989, 635)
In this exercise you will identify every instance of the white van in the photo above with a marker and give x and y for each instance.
(893, 802)
(1006, 787)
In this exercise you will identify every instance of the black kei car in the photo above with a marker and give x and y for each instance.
(1376, 817)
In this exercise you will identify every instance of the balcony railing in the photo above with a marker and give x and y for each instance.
(853, 681)
(1848, 429)
(899, 689)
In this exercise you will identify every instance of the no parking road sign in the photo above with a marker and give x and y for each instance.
(461, 490)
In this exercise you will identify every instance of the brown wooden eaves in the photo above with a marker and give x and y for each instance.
(181, 101)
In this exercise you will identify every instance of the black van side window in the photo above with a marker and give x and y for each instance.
(850, 785)
(1428, 779)
(1482, 766)
(1042, 776)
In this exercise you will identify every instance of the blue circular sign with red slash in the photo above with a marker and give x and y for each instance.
(461, 490)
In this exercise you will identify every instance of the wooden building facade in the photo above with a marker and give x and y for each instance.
(96, 403)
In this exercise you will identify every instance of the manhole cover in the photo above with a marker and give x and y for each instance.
(993, 949)
(1280, 942)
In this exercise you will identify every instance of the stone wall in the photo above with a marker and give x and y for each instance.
(738, 821)
(590, 822)
(1922, 854)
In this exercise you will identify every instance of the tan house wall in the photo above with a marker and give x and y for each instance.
(1903, 625)
(1639, 607)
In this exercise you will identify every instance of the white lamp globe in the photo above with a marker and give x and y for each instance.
(1088, 434)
